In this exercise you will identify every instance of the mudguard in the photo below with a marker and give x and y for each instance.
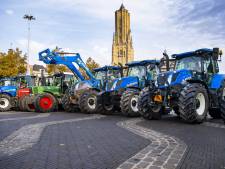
(116, 84)
(217, 81)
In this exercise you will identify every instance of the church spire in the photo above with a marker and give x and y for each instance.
(122, 6)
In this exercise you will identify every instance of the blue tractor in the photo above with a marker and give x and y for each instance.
(12, 89)
(87, 79)
(194, 88)
(8, 89)
(121, 93)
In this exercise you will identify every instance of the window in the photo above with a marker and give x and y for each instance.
(137, 71)
(190, 63)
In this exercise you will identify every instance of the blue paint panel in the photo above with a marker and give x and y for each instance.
(217, 80)
(142, 63)
(9, 90)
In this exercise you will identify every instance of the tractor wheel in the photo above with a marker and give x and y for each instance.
(88, 102)
(193, 103)
(21, 103)
(146, 110)
(129, 103)
(29, 104)
(66, 103)
(222, 102)
(5, 103)
(45, 103)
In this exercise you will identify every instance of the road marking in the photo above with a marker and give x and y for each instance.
(13, 112)
(163, 152)
(29, 135)
(23, 118)
(216, 125)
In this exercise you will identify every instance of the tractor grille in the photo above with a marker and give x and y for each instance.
(162, 79)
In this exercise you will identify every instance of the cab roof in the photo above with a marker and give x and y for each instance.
(105, 68)
(198, 52)
(142, 63)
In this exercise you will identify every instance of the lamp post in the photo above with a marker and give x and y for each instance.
(29, 18)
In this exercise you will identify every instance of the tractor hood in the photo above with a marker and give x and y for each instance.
(11, 90)
(87, 84)
(116, 84)
(172, 78)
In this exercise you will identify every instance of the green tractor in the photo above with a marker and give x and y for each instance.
(46, 95)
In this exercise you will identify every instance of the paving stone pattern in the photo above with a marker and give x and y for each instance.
(29, 135)
(164, 152)
(205, 142)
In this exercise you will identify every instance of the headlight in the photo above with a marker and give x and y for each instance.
(169, 80)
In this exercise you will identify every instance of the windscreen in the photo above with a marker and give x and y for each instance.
(138, 71)
(190, 63)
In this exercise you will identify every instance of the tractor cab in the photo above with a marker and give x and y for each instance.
(145, 70)
(7, 82)
(199, 65)
(107, 74)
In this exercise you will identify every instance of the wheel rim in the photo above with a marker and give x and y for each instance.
(108, 107)
(46, 103)
(200, 104)
(133, 103)
(156, 108)
(4, 103)
(92, 102)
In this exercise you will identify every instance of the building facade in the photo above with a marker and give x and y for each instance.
(122, 48)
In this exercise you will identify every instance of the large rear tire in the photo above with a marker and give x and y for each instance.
(66, 103)
(21, 103)
(146, 110)
(29, 103)
(5, 103)
(193, 103)
(88, 102)
(45, 103)
(222, 102)
(129, 103)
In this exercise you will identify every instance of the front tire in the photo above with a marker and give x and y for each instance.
(5, 103)
(45, 103)
(129, 103)
(88, 102)
(193, 103)
(66, 103)
(146, 110)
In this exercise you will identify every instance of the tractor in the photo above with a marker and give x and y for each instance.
(45, 96)
(70, 100)
(121, 93)
(13, 89)
(194, 88)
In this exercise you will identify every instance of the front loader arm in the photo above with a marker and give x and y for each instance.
(49, 57)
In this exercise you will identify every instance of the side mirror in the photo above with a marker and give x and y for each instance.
(216, 53)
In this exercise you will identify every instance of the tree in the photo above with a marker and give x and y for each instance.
(12, 63)
(91, 64)
(51, 69)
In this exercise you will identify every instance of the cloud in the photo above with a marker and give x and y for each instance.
(9, 12)
(35, 48)
(156, 25)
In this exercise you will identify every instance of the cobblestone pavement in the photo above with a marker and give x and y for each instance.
(205, 142)
(164, 152)
(80, 141)
(87, 144)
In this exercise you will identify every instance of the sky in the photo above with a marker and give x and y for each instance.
(87, 26)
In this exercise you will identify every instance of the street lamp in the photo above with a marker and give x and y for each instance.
(29, 18)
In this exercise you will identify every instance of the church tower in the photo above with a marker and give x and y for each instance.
(122, 48)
